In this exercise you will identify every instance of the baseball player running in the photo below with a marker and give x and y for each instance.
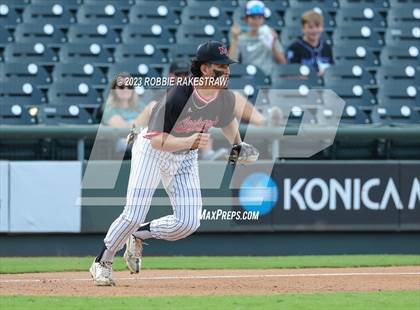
(167, 151)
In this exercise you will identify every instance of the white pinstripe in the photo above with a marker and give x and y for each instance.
(179, 175)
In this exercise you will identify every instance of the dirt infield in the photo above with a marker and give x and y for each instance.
(216, 282)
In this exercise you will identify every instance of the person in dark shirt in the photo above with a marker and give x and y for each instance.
(311, 50)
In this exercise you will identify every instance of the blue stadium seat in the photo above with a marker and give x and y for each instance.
(354, 115)
(29, 72)
(355, 55)
(404, 92)
(238, 71)
(352, 91)
(146, 54)
(15, 114)
(394, 115)
(55, 13)
(120, 4)
(58, 114)
(132, 68)
(222, 4)
(293, 15)
(79, 72)
(93, 53)
(9, 16)
(102, 13)
(397, 3)
(26, 52)
(199, 32)
(147, 34)
(5, 37)
(69, 4)
(360, 16)
(101, 34)
(210, 14)
(350, 73)
(46, 33)
(401, 55)
(381, 5)
(300, 73)
(80, 93)
(361, 36)
(397, 73)
(18, 4)
(176, 5)
(408, 14)
(154, 14)
(310, 4)
(20, 92)
(186, 50)
(406, 35)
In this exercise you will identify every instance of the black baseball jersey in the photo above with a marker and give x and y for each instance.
(183, 112)
(303, 53)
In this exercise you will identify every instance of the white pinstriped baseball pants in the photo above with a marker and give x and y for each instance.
(179, 175)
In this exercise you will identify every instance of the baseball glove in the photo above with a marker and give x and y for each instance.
(132, 136)
(243, 153)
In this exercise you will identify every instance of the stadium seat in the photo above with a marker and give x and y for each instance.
(100, 34)
(408, 14)
(353, 92)
(176, 5)
(55, 13)
(121, 4)
(70, 4)
(93, 53)
(35, 32)
(5, 37)
(207, 14)
(354, 55)
(147, 34)
(102, 13)
(401, 93)
(20, 92)
(9, 17)
(397, 3)
(332, 4)
(394, 115)
(15, 114)
(347, 72)
(397, 73)
(221, 4)
(144, 53)
(57, 114)
(199, 32)
(407, 55)
(18, 4)
(381, 5)
(132, 68)
(406, 35)
(293, 15)
(154, 14)
(26, 52)
(360, 16)
(79, 72)
(241, 70)
(296, 72)
(80, 93)
(28, 72)
(186, 50)
(354, 115)
(360, 36)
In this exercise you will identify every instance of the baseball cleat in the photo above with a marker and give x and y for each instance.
(101, 273)
(132, 254)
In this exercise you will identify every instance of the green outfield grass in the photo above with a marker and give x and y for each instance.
(355, 301)
(52, 264)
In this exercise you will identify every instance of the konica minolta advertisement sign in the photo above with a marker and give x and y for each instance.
(324, 196)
